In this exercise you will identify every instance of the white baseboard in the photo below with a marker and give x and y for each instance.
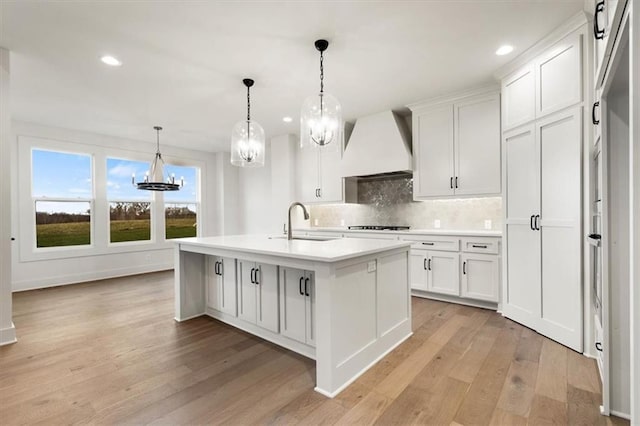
(8, 335)
(619, 414)
(89, 276)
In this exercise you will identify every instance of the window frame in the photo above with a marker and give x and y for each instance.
(196, 200)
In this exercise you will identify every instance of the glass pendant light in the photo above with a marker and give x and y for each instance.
(153, 180)
(247, 138)
(321, 115)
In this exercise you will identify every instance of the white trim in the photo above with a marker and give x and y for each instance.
(493, 306)
(8, 335)
(572, 24)
(462, 95)
(54, 281)
(620, 414)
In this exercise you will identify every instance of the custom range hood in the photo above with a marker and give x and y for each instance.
(380, 145)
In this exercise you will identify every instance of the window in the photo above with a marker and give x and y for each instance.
(181, 207)
(129, 208)
(62, 192)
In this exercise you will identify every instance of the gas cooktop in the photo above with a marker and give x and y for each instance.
(379, 228)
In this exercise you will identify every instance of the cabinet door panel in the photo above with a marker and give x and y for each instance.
(268, 313)
(293, 306)
(434, 149)
(331, 176)
(307, 181)
(477, 146)
(228, 285)
(247, 289)
(480, 277)
(443, 276)
(418, 270)
(521, 298)
(214, 287)
(560, 218)
(522, 183)
(311, 310)
(559, 80)
(518, 97)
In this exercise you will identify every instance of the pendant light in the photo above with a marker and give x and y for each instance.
(153, 180)
(321, 115)
(247, 138)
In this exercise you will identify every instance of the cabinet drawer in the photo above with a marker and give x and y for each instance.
(481, 245)
(372, 235)
(429, 242)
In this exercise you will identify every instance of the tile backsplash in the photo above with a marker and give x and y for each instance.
(390, 202)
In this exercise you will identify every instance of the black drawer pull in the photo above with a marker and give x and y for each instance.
(464, 268)
(479, 245)
(428, 244)
(256, 277)
(300, 287)
(599, 346)
(424, 263)
(429, 265)
(306, 286)
(597, 32)
(220, 268)
(451, 183)
(594, 120)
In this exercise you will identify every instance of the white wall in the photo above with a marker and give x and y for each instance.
(34, 270)
(7, 330)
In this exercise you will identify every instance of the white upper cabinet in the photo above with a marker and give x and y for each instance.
(433, 153)
(550, 83)
(318, 176)
(456, 147)
(477, 146)
(519, 98)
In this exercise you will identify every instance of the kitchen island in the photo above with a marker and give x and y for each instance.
(344, 302)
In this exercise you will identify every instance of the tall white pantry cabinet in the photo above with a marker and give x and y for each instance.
(542, 116)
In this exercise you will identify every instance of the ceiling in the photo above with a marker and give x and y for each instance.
(184, 61)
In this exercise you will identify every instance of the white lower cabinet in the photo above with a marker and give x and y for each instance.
(258, 294)
(221, 284)
(297, 303)
(480, 276)
(435, 271)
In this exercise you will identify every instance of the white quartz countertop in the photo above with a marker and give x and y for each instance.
(316, 250)
(456, 232)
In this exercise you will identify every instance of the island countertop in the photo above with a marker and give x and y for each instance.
(332, 250)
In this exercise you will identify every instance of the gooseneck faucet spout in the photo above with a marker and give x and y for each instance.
(306, 217)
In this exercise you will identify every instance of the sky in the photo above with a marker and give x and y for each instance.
(69, 175)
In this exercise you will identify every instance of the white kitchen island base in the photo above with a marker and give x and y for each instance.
(344, 303)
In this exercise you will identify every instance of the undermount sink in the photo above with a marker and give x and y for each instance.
(309, 238)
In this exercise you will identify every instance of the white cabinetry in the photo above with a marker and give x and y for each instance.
(548, 84)
(480, 276)
(543, 222)
(221, 284)
(318, 176)
(258, 294)
(435, 271)
(457, 146)
(297, 303)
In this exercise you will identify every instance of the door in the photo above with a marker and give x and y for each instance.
(434, 153)
(443, 272)
(293, 314)
(418, 262)
(247, 290)
(477, 146)
(266, 277)
(559, 137)
(227, 278)
(521, 295)
(480, 276)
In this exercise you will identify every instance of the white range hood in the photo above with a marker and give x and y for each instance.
(380, 144)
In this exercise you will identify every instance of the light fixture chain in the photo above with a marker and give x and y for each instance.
(248, 105)
(157, 141)
(321, 72)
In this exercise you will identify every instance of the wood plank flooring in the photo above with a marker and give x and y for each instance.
(109, 352)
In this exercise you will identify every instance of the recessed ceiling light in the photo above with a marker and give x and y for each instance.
(287, 119)
(110, 60)
(504, 50)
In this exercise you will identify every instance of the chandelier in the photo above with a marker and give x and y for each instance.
(247, 138)
(153, 180)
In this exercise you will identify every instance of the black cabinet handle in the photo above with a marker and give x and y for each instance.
(220, 268)
(217, 268)
(479, 245)
(597, 32)
(451, 182)
(306, 286)
(593, 113)
(257, 282)
(300, 287)
(253, 281)
(599, 346)
(429, 265)
(320, 192)
(424, 263)
(537, 222)
(531, 222)
(456, 182)
(464, 268)
(428, 244)
(13, 238)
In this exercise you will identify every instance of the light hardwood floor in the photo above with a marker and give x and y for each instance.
(110, 352)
